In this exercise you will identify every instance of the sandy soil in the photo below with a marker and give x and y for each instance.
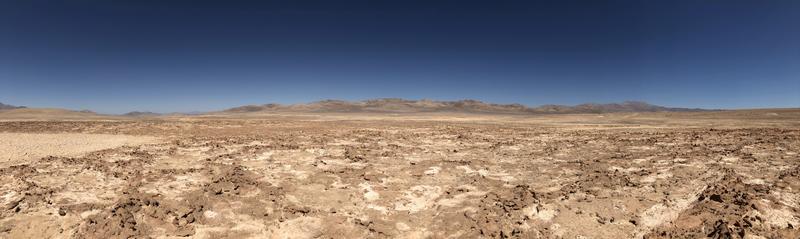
(585, 176)
(21, 147)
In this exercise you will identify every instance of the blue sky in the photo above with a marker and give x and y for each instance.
(166, 56)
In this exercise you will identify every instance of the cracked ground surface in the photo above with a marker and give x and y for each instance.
(337, 177)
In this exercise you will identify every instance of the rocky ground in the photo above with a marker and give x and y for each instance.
(376, 178)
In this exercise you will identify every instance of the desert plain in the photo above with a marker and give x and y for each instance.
(717, 174)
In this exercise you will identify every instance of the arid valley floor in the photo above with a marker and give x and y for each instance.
(733, 174)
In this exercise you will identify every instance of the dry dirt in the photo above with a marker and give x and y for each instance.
(22, 147)
(678, 175)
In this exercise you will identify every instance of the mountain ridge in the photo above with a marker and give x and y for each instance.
(396, 105)
(10, 107)
(141, 114)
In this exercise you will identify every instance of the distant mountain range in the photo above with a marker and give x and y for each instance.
(393, 105)
(9, 107)
(141, 114)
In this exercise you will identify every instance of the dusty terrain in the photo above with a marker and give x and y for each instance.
(19, 148)
(632, 175)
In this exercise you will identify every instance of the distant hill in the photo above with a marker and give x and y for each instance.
(49, 114)
(9, 107)
(393, 105)
(141, 114)
(627, 106)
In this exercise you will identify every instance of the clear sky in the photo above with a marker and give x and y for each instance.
(163, 56)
